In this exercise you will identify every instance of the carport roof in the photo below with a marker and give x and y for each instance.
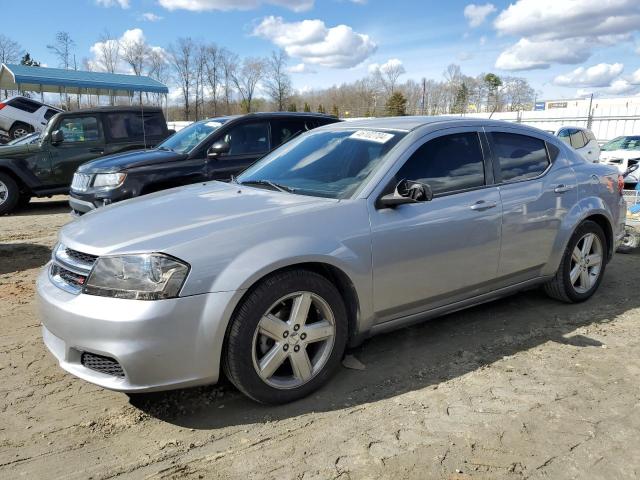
(57, 80)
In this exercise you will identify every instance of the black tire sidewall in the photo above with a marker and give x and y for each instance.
(13, 194)
(238, 358)
(586, 227)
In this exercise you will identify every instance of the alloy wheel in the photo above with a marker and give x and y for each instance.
(293, 340)
(20, 132)
(586, 263)
(4, 193)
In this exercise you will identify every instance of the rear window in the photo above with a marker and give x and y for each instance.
(520, 157)
(49, 113)
(25, 104)
(128, 125)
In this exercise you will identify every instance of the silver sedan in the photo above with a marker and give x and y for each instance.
(346, 231)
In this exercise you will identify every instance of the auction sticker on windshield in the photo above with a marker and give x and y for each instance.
(372, 136)
(213, 124)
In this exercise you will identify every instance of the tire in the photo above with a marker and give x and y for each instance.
(9, 194)
(300, 365)
(589, 273)
(19, 129)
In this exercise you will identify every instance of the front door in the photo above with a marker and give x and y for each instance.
(83, 141)
(434, 253)
(247, 143)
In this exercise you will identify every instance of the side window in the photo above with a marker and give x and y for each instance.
(80, 129)
(154, 124)
(565, 135)
(248, 139)
(448, 163)
(590, 135)
(128, 125)
(520, 157)
(283, 130)
(25, 105)
(49, 114)
(577, 139)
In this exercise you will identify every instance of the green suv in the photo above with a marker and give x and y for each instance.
(46, 167)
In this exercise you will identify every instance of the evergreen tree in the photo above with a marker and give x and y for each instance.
(27, 60)
(396, 105)
(307, 108)
(334, 111)
(321, 109)
(462, 99)
(292, 107)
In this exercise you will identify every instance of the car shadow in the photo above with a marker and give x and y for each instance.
(43, 207)
(417, 357)
(16, 257)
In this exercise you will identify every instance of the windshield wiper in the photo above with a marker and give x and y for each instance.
(269, 183)
(166, 149)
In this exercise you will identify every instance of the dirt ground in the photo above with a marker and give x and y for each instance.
(520, 388)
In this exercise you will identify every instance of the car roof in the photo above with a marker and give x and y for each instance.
(128, 108)
(408, 124)
(32, 100)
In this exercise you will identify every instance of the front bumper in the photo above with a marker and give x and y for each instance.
(160, 345)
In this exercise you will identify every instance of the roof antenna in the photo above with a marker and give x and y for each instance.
(144, 131)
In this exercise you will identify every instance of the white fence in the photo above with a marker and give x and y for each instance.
(606, 122)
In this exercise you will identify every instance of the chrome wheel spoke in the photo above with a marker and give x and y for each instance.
(300, 309)
(301, 364)
(272, 361)
(594, 259)
(585, 279)
(576, 255)
(272, 327)
(587, 243)
(318, 331)
(574, 274)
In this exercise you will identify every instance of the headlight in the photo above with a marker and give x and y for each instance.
(109, 180)
(152, 276)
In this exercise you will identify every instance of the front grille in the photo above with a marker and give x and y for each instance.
(80, 182)
(81, 257)
(102, 364)
(71, 278)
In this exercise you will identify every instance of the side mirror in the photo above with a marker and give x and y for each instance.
(406, 191)
(218, 149)
(57, 137)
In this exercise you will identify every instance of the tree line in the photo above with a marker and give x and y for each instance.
(212, 80)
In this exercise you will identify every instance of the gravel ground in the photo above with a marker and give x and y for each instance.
(520, 388)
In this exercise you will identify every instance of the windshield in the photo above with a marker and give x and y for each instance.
(30, 138)
(190, 137)
(332, 164)
(623, 143)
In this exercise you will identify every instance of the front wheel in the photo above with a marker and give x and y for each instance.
(9, 193)
(287, 337)
(20, 129)
(582, 265)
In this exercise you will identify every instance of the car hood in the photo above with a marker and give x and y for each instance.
(624, 154)
(172, 221)
(17, 151)
(127, 160)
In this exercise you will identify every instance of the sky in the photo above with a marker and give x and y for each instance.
(564, 48)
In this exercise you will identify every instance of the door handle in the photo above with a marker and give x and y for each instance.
(481, 205)
(562, 188)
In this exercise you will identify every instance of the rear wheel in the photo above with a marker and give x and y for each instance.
(9, 193)
(287, 337)
(20, 129)
(582, 265)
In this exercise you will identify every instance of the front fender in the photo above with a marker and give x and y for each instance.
(19, 170)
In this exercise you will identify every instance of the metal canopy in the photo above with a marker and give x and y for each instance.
(57, 80)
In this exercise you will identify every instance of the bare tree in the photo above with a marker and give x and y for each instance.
(213, 73)
(135, 53)
(108, 52)
(62, 48)
(229, 64)
(246, 79)
(200, 60)
(10, 52)
(388, 75)
(517, 93)
(182, 55)
(158, 67)
(278, 82)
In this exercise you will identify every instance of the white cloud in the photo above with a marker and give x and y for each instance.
(477, 14)
(528, 55)
(113, 3)
(209, 5)
(388, 66)
(464, 56)
(300, 68)
(483, 40)
(600, 75)
(150, 17)
(635, 77)
(131, 36)
(314, 43)
(547, 25)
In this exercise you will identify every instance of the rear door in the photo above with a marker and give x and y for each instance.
(536, 193)
(83, 141)
(248, 142)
